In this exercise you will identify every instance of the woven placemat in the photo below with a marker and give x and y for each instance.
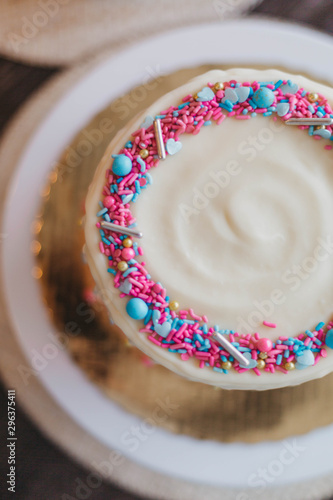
(62, 32)
(38, 403)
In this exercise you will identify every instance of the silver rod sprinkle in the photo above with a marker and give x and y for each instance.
(231, 349)
(309, 121)
(159, 139)
(121, 229)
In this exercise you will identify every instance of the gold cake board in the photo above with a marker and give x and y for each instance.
(101, 350)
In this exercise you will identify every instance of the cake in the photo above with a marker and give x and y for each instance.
(230, 283)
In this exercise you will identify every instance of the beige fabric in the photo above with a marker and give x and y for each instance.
(38, 403)
(61, 32)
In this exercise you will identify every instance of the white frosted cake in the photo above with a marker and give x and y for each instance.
(230, 283)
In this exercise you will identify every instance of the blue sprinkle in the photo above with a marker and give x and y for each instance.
(279, 359)
(102, 212)
(101, 204)
(253, 114)
(228, 103)
(320, 326)
(206, 123)
(137, 187)
(107, 242)
(311, 108)
(309, 334)
(129, 271)
(175, 113)
(245, 111)
(205, 328)
(112, 239)
(128, 145)
(224, 106)
(311, 129)
(141, 163)
(174, 324)
(135, 197)
(224, 358)
(286, 353)
(267, 113)
(253, 104)
(149, 178)
(198, 337)
(112, 271)
(183, 105)
(148, 316)
(244, 349)
(126, 198)
(219, 370)
(278, 84)
(319, 114)
(303, 93)
(106, 217)
(160, 116)
(317, 341)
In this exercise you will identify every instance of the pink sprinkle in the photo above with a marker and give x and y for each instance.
(152, 339)
(270, 325)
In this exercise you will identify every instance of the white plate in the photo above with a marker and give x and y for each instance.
(245, 41)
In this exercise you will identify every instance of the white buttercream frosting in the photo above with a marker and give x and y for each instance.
(237, 225)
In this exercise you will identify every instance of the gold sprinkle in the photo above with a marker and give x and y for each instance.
(174, 305)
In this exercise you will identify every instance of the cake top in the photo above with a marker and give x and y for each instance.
(230, 284)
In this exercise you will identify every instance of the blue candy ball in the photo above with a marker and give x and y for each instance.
(263, 97)
(137, 308)
(122, 165)
(329, 339)
(307, 359)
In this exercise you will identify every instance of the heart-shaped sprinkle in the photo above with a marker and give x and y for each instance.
(206, 94)
(126, 287)
(282, 108)
(126, 198)
(289, 88)
(305, 360)
(149, 120)
(163, 329)
(173, 146)
(323, 132)
(156, 314)
(253, 362)
(242, 93)
(230, 95)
